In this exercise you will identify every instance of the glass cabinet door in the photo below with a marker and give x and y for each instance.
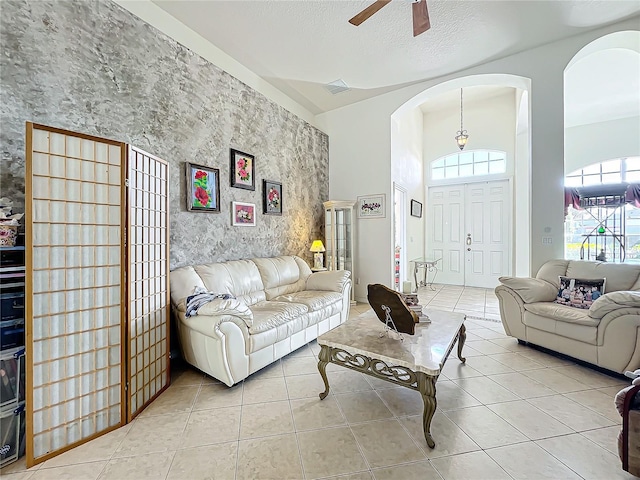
(339, 236)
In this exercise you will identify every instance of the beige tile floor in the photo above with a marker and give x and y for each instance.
(510, 412)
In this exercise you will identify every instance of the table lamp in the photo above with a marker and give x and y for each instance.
(318, 258)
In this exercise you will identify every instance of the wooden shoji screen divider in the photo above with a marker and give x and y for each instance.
(148, 251)
(74, 289)
(85, 313)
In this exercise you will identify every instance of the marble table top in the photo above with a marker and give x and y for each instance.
(423, 352)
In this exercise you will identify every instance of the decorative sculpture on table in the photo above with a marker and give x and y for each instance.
(390, 309)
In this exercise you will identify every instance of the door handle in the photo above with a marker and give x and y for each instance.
(469, 239)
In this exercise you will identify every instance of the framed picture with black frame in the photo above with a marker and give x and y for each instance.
(416, 209)
(271, 197)
(203, 188)
(243, 170)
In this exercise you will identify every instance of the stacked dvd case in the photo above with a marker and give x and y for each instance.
(12, 354)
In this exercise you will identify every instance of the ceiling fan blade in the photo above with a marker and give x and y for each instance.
(367, 12)
(421, 21)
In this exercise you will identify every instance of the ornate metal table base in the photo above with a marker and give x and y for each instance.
(429, 266)
(420, 381)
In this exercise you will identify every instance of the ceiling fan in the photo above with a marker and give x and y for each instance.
(420, 15)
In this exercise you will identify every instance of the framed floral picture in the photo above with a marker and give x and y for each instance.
(243, 214)
(371, 206)
(203, 188)
(271, 197)
(243, 170)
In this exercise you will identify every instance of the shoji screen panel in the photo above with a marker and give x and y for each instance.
(75, 289)
(148, 244)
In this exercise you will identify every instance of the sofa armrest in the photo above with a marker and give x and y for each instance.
(632, 402)
(223, 307)
(612, 301)
(531, 290)
(333, 280)
(214, 326)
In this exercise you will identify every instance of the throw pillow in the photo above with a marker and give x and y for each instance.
(579, 292)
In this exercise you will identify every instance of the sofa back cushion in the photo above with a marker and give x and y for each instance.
(282, 275)
(619, 276)
(552, 270)
(183, 282)
(240, 278)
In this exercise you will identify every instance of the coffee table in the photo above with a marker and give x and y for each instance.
(415, 362)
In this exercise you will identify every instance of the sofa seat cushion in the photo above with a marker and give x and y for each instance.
(314, 300)
(562, 313)
(574, 331)
(270, 314)
(274, 321)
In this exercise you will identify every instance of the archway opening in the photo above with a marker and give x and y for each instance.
(423, 131)
(602, 152)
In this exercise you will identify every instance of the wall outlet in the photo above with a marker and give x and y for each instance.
(357, 280)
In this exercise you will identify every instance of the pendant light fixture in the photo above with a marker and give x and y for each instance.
(462, 136)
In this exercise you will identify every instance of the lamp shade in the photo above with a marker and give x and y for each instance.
(317, 246)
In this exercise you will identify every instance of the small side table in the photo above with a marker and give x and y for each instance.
(318, 269)
(429, 265)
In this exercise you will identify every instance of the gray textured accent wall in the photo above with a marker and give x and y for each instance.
(93, 67)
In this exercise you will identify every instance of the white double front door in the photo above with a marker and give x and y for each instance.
(469, 227)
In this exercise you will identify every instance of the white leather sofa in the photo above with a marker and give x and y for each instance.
(280, 305)
(606, 334)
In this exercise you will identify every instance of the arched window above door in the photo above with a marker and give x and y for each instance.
(472, 163)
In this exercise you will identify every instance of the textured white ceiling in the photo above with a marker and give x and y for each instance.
(298, 46)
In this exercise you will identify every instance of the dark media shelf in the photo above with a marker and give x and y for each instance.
(12, 356)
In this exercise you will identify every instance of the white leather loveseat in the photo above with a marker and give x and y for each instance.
(606, 334)
(279, 306)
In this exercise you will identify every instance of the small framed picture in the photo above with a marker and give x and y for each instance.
(416, 209)
(371, 206)
(203, 188)
(243, 214)
(243, 170)
(271, 197)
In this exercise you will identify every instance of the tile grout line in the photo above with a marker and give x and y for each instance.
(558, 459)
(193, 403)
(235, 473)
(360, 448)
(293, 422)
(397, 419)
